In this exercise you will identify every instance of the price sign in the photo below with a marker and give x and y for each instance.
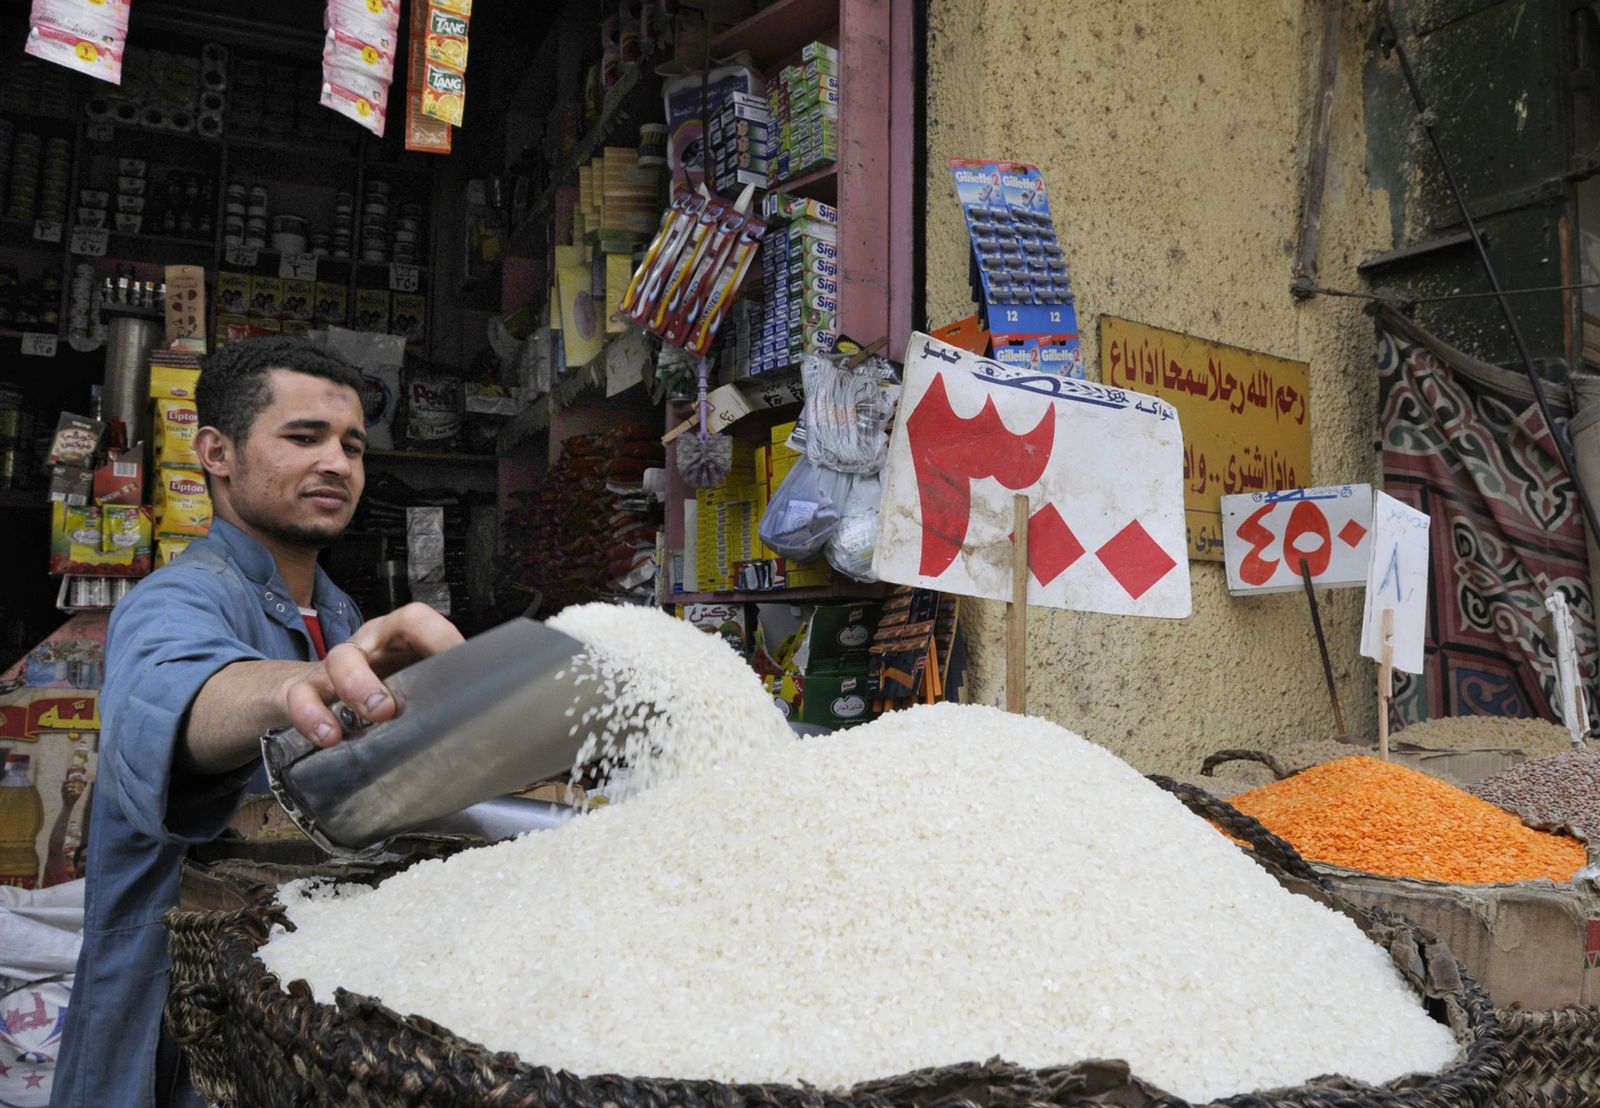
(1267, 534)
(46, 230)
(302, 267)
(100, 132)
(90, 241)
(244, 257)
(38, 345)
(403, 277)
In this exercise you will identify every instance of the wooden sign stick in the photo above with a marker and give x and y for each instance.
(1322, 646)
(1017, 611)
(1385, 683)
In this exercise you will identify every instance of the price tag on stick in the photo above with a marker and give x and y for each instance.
(1266, 535)
(46, 230)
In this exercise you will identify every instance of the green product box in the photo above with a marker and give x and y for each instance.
(840, 632)
(836, 700)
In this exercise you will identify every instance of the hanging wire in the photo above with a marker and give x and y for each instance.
(1402, 296)
(1391, 42)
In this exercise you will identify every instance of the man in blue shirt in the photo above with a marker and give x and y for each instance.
(242, 634)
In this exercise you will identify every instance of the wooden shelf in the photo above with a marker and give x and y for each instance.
(770, 35)
(440, 456)
(844, 588)
(819, 184)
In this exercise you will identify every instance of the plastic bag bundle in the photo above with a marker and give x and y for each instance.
(847, 415)
(805, 510)
(851, 545)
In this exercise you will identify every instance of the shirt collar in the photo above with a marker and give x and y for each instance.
(262, 570)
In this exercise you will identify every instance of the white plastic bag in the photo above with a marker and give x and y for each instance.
(805, 510)
(851, 545)
(846, 416)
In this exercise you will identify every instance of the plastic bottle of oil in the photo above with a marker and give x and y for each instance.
(21, 817)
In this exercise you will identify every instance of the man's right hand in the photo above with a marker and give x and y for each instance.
(353, 671)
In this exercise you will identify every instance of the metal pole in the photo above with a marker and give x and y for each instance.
(1322, 645)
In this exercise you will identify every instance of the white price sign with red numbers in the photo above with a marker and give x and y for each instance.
(1267, 535)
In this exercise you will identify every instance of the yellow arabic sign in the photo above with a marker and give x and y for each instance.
(1245, 416)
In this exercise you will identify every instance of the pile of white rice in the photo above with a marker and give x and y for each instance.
(946, 884)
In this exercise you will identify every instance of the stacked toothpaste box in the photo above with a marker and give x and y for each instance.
(800, 276)
(739, 138)
(804, 107)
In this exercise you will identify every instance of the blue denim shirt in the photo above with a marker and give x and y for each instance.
(222, 602)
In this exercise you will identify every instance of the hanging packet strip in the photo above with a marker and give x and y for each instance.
(444, 77)
(352, 95)
(84, 35)
(358, 59)
(446, 41)
(424, 134)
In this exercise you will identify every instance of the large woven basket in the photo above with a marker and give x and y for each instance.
(254, 1044)
(1552, 1058)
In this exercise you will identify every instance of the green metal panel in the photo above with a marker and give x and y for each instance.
(1494, 74)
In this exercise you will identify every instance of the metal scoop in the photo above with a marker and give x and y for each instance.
(486, 718)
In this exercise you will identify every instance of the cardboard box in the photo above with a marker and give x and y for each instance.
(121, 481)
(840, 631)
(266, 296)
(1459, 767)
(233, 293)
(186, 307)
(1530, 943)
(299, 299)
(727, 620)
(332, 304)
(835, 700)
(372, 310)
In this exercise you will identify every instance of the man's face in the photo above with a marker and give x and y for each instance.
(298, 475)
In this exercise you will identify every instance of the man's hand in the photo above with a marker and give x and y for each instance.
(354, 669)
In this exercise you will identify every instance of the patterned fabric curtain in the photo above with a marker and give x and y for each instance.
(1465, 442)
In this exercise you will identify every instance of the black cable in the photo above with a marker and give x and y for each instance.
(1401, 296)
(1391, 41)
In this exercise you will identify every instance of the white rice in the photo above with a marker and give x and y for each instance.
(661, 678)
(946, 884)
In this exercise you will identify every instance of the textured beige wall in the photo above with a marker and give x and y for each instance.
(1172, 138)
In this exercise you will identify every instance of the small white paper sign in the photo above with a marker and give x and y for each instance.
(302, 267)
(1397, 580)
(403, 277)
(245, 257)
(627, 355)
(1265, 535)
(1102, 469)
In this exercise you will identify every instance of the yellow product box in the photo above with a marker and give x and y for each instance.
(266, 296)
(299, 299)
(332, 304)
(408, 317)
(227, 326)
(805, 575)
(182, 504)
(168, 549)
(171, 382)
(372, 310)
(233, 293)
(175, 425)
(781, 433)
(266, 326)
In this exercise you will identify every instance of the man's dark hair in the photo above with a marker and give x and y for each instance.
(235, 388)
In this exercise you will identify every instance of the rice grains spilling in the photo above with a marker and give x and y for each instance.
(945, 884)
(1383, 818)
(663, 678)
